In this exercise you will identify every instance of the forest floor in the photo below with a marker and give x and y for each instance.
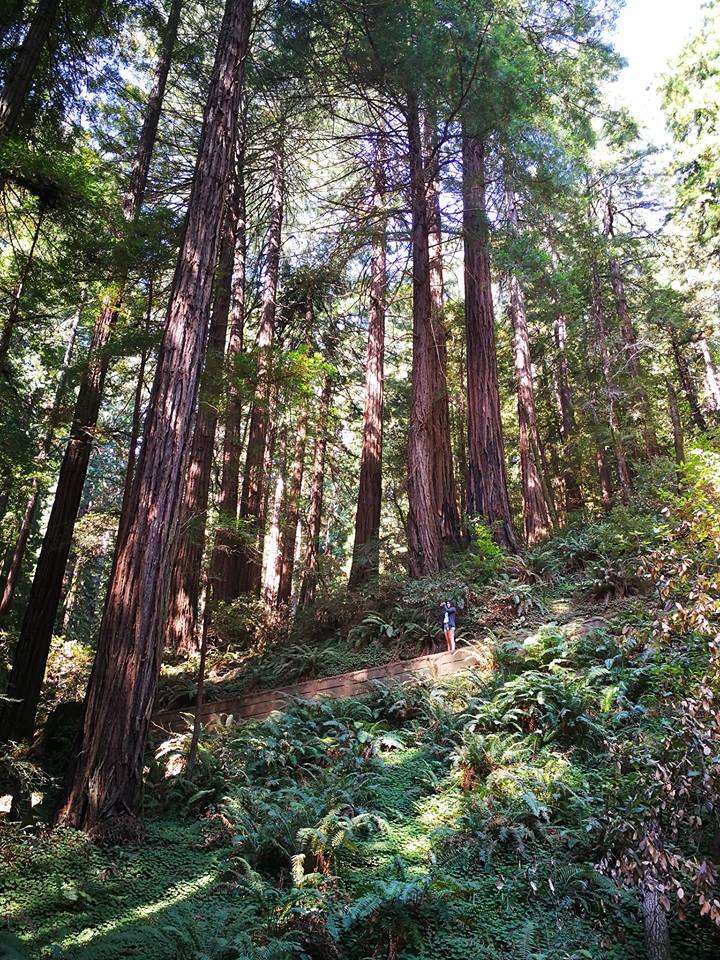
(470, 818)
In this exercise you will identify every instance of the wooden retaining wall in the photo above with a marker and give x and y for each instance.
(355, 684)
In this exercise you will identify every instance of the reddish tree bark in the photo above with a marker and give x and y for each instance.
(314, 520)
(182, 622)
(603, 354)
(424, 532)
(603, 469)
(18, 554)
(250, 557)
(224, 565)
(461, 434)
(137, 412)
(366, 552)
(20, 76)
(292, 509)
(108, 775)
(36, 632)
(445, 492)
(601, 459)
(487, 496)
(571, 485)
(536, 515)
(536, 512)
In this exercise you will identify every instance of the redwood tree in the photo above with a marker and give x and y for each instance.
(602, 351)
(225, 557)
(487, 496)
(185, 589)
(424, 531)
(536, 512)
(18, 719)
(573, 494)
(366, 553)
(445, 492)
(536, 515)
(629, 335)
(108, 774)
(292, 508)
(314, 520)
(250, 560)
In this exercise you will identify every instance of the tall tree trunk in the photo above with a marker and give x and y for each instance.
(445, 492)
(601, 460)
(686, 381)
(108, 776)
(292, 510)
(274, 557)
(425, 535)
(182, 623)
(23, 69)
(250, 559)
(136, 414)
(14, 311)
(535, 509)
(36, 632)
(224, 565)
(461, 435)
(314, 522)
(70, 589)
(712, 385)
(571, 485)
(366, 547)
(487, 496)
(18, 554)
(630, 344)
(268, 459)
(603, 353)
(536, 514)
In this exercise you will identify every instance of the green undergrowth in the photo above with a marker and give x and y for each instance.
(459, 820)
(514, 813)
(396, 618)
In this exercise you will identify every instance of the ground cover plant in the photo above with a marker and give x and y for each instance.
(527, 809)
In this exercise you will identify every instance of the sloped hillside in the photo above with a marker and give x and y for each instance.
(547, 806)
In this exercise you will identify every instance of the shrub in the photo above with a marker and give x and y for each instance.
(553, 705)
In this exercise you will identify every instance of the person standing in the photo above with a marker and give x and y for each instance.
(447, 609)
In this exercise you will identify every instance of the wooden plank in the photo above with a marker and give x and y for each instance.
(353, 684)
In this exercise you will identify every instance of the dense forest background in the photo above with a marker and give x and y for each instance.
(314, 314)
